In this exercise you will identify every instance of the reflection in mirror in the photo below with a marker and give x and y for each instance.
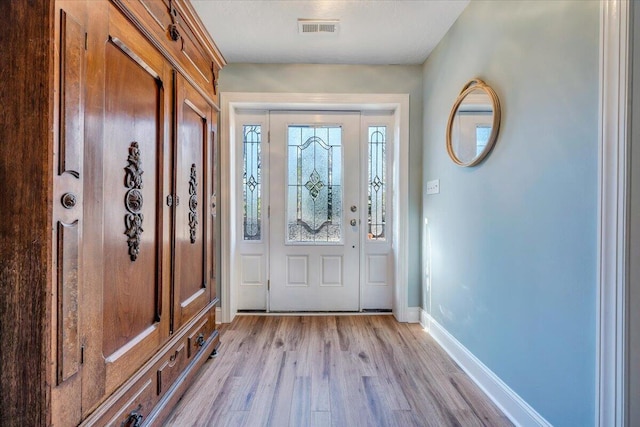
(473, 124)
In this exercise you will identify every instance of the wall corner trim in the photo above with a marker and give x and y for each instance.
(611, 315)
(514, 407)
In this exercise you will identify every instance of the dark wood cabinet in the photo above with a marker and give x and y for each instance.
(127, 295)
(134, 242)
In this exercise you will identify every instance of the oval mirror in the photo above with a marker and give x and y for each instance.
(473, 124)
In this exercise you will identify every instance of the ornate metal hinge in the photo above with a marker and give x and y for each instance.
(193, 203)
(133, 200)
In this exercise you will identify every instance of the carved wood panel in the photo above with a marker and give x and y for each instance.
(177, 31)
(72, 81)
(112, 169)
(132, 126)
(193, 204)
(159, 12)
(69, 140)
(173, 365)
(133, 200)
(68, 357)
(194, 54)
(134, 244)
(192, 184)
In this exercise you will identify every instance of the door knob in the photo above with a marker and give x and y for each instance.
(353, 222)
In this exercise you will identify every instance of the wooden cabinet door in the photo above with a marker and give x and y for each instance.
(68, 221)
(128, 315)
(193, 184)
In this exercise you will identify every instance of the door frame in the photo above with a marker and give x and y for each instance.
(231, 102)
(612, 319)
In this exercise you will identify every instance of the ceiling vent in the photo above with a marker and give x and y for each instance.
(318, 26)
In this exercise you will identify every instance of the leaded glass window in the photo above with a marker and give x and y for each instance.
(314, 184)
(377, 186)
(251, 181)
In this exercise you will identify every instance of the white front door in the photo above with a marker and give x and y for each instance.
(314, 211)
(297, 197)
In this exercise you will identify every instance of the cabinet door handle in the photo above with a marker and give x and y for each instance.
(200, 340)
(134, 419)
(68, 200)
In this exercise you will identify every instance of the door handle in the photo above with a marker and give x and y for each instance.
(354, 222)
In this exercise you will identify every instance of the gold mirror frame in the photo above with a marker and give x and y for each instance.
(471, 86)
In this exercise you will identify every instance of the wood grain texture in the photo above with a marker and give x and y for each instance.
(26, 144)
(193, 54)
(191, 227)
(332, 371)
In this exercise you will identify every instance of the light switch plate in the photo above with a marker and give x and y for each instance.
(433, 187)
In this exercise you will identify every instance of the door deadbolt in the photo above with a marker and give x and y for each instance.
(354, 208)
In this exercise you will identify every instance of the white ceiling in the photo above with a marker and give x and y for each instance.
(371, 31)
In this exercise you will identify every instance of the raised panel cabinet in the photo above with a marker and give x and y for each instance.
(134, 242)
(133, 290)
(178, 34)
(193, 185)
(68, 179)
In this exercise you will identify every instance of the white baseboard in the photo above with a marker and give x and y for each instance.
(424, 318)
(513, 406)
(413, 314)
(218, 315)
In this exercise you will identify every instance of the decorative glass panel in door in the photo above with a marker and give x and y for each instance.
(314, 202)
(377, 179)
(251, 181)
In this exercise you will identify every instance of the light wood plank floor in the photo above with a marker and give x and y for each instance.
(332, 371)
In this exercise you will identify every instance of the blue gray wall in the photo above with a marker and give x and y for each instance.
(513, 240)
(318, 78)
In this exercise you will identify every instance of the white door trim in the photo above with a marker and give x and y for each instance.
(613, 171)
(234, 101)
